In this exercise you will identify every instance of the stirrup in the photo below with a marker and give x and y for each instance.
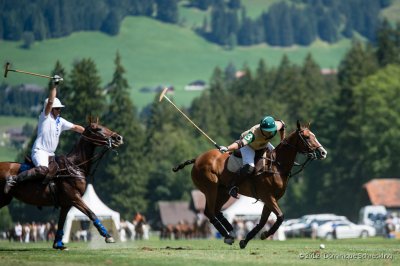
(296, 164)
(233, 192)
(10, 182)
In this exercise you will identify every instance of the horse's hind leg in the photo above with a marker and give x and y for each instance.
(211, 196)
(222, 197)
(80, 205)
(58, 244)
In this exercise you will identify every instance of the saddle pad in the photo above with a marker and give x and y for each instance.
(25, 167)
(234, 163)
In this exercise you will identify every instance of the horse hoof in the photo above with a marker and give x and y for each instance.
(110, 239)
(263, 236)
(229, 240)
(62, 248)
(242, 244)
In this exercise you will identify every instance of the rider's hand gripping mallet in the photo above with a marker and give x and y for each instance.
(162, 95)
(7, 68)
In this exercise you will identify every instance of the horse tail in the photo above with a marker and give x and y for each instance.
(182, 165)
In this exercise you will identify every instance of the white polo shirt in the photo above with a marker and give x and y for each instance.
(49, 131)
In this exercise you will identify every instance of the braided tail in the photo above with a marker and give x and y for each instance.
(182, 165)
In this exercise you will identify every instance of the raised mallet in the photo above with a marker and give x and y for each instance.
(7, 69)
(162, 95)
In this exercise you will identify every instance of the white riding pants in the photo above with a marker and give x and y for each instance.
(40, 158)
(248, 154)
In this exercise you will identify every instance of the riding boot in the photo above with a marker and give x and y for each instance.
(33, 173)
(51, 173)
(244, 172)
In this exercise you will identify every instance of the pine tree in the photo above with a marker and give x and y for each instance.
(347, 166)
(83, 97)
(121, 181)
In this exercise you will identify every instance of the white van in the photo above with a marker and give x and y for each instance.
(373, 215)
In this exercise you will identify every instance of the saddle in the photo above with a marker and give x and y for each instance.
(263, 160)
(53, 165)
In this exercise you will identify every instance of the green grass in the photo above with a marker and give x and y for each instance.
(153, 53)
(203, 252)
(392, 12)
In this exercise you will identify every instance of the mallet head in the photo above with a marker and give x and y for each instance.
(6, 68)
(163, 94)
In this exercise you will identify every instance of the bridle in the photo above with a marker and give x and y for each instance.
(309, 152)
(107, 142)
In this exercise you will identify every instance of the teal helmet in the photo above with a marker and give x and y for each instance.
(268, 124)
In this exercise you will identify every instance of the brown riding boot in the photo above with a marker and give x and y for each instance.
(244, 172)
(33, 173)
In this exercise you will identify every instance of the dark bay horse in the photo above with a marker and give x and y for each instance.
(70, 182)
(211, 176)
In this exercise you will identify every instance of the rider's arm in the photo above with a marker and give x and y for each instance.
(281, 128)
(52, 96)
(78, 128)
(247, 139)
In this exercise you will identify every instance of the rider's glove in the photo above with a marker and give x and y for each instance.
(57, 79)
(223, 149)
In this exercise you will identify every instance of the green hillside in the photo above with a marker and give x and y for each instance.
(7, 152)
(153, 54)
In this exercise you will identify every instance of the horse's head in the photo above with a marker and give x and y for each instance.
(102, 136)
(308, 144)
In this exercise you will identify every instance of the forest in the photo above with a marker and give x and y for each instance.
(285, 23)
(354, 114)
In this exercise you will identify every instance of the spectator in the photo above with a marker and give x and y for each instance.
(18, 232)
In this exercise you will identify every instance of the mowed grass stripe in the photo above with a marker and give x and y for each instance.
(201, 252)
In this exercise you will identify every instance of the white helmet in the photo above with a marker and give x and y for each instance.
(56, 104)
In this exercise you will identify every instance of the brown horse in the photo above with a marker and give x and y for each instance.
(70, 183)
(211, 176)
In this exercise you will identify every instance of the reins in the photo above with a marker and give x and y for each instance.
(94, 159)
(310, 153)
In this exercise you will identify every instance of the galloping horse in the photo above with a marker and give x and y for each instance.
(211, 176)
(70, 183)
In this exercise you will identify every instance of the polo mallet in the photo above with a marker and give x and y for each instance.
(7, 69)
(162, 95)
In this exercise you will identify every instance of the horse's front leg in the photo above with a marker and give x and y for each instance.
(80, 205)
(263, 220)
(58, 244)
(279, 219)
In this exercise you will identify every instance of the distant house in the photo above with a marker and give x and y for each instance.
(197, 85)
(174, 212)
(198, 202)
(16, 136)
(328, 71)
(385, 191)
(157, 89)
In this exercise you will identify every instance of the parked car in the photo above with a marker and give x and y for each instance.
(290, 227)
(374, 215)
(344, 229)
(303, 227)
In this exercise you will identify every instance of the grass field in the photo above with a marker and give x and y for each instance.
(206, 252)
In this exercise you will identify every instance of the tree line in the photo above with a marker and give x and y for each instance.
(284, 24)
(43, 19)
(354, 114)
(21, 100)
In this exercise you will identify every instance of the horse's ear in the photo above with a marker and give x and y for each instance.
(298, 125)
(89, 118)
(97, 120)
(309, 125)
